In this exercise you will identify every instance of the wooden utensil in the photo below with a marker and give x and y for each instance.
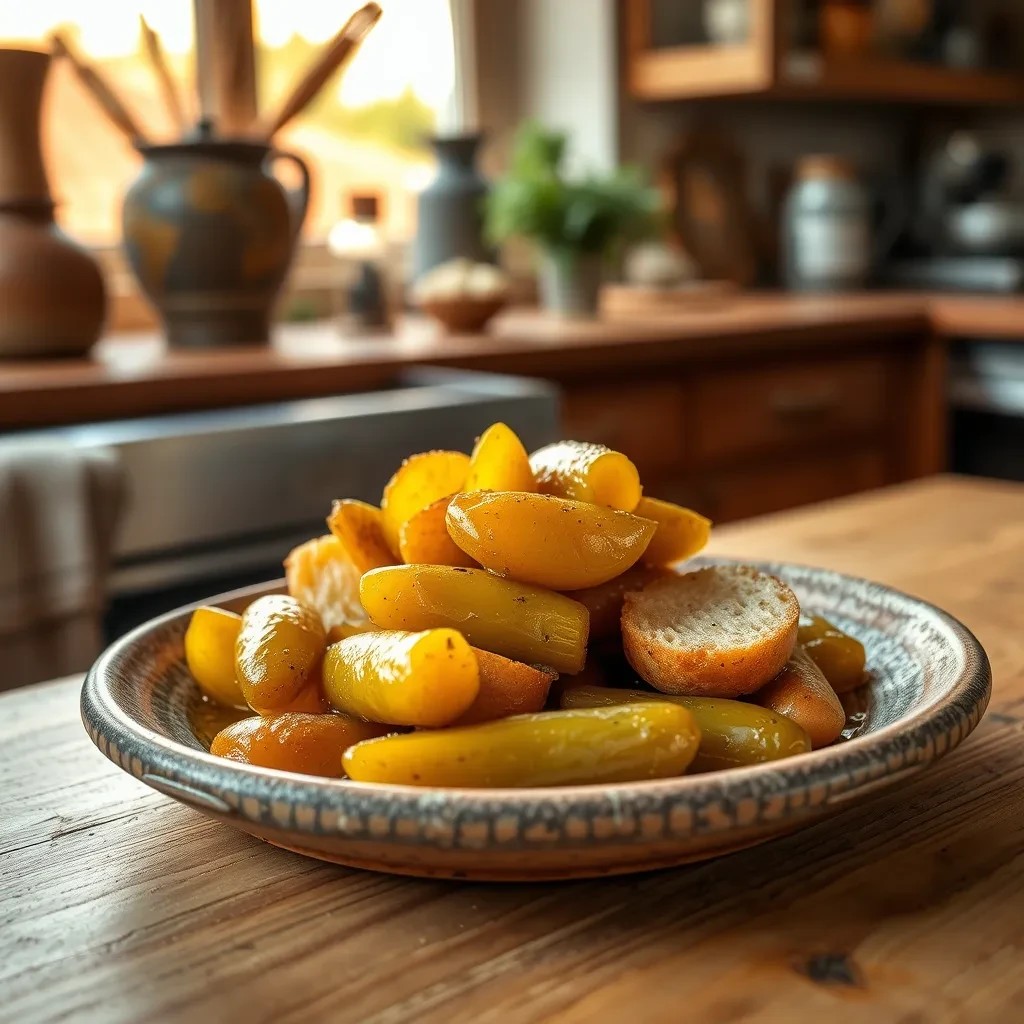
(337, 52)
(100, 89)
(164, 79)
(226, 65)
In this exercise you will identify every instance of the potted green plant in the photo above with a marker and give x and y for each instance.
(578, 225)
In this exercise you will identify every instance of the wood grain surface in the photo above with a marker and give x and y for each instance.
(117, 904)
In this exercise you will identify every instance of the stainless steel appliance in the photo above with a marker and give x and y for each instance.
(217, 499)
(967, 231)
(987, 399)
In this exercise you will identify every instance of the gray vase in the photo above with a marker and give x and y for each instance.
(570, 283)
(450, 208)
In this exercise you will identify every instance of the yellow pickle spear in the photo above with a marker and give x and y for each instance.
(427, 679)
(210, 654)
(518, 621)
(553, 542)
(732, 733)
(553, 748)
(278, 650)
(587, 472)
(499, 462)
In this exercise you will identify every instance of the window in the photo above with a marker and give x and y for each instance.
(364, 133)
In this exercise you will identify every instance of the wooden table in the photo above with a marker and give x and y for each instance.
(118, 904)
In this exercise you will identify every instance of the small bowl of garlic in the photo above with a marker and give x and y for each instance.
(461, 295)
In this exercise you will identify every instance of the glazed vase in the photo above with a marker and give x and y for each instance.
(210, 234)
(449, 211)
(52, 298)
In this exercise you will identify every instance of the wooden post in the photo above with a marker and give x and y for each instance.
(767, 21)
(226, 65)
(636, 16)
(929, 407)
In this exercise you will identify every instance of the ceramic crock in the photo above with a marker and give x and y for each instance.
(51, 291)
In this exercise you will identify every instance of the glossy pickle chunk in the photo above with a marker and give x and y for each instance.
(360, 529)
(424, 538)
(507, 688)
(732, 733)
(428, 678)
(521, 622)
(552, 542)
(802, 693)
(293, 742)
(553, 748)
(310, 700)
(587, 472)
(210, 654)
(839, 656)
(420, 481)
(499, 462)
(278, 651)
(681, 532)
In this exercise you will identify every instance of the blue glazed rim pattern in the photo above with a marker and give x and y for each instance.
(949, 665)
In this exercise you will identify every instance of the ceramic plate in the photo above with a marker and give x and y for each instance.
(929, 688)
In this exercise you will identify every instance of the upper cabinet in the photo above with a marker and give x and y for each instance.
(799, 49)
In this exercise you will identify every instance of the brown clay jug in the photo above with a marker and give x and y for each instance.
(52, 299)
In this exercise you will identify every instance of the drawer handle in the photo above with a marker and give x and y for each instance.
(802, 404)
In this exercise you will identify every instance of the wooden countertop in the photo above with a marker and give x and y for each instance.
(119, 904)
(978, 316)
(137, 376)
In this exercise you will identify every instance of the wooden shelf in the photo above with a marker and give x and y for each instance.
(762, 68)
(710, 72)
(688, 72)
(892, 81)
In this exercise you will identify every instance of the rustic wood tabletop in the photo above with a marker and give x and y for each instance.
(118, 904)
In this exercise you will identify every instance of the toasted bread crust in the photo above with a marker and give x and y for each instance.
(724, 631)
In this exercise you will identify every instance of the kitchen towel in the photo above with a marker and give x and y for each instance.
(59, 509)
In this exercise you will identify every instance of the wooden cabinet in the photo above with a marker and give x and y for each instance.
(668, 57)
(737, 413)
(647, 419)
(787, 483)
(760, 434)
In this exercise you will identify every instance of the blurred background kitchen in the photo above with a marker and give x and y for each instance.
(253, 252)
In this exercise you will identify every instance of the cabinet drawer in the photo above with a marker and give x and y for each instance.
(645, 421)
(775, 409)
(772, 488)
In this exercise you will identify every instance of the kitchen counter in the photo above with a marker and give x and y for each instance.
(736, 405)
(1000, 318)
(120, 904)
(136, 376)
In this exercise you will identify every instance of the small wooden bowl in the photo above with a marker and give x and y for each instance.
(465, 315)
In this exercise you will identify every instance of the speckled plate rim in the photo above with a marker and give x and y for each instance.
(688, 808)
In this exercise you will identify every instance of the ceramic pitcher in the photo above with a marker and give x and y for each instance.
(210, 234)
